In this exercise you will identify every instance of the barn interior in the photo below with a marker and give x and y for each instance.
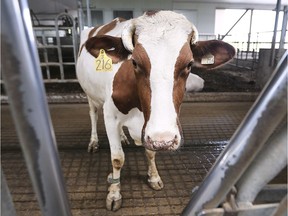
(235, 127)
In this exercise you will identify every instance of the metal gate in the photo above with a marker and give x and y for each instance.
(58, 47)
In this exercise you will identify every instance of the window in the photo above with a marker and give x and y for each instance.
(123, 14)
(96, 18)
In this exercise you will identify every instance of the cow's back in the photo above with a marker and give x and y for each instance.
(97, 85)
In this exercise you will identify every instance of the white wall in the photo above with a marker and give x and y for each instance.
(201, 13)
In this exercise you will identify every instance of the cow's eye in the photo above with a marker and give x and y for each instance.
(134, 63)
(189, 65)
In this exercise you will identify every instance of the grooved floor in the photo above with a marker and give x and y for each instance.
(207, 128)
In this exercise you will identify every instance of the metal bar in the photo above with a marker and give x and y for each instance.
(23, 82)
(261, 120)
(80, 16)
(7, 206)
(58, 46)
(45, 55)
(61, 81)
(74, 41)
(56, 64)
(234, 24)
(268, 163)
(272, 56)
(89, 23)
(284, 27)
(249, 34)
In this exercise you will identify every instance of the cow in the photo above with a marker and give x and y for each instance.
(136, 70)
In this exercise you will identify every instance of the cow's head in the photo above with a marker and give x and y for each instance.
(164, 49)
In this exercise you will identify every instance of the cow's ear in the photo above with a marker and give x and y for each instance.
(212, 53)
(113, 47)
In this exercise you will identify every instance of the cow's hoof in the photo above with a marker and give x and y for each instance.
(156, 184)
(113, 205)
(93, 146)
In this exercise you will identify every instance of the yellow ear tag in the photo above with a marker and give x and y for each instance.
(103, 63)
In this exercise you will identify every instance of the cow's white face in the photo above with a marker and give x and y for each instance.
(161, 85)
(162, 60)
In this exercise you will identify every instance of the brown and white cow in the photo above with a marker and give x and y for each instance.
(152, 59)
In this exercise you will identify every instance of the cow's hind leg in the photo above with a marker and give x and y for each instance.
(154, 180)
(93, 112)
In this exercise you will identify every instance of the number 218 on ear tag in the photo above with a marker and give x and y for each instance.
(103, 63)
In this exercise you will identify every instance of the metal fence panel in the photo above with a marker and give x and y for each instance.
(23, 82)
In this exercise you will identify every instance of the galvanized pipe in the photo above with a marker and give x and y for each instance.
(272, 56)
(249, 34)
(284, 27)
(24, 85)
(80, 16)
(261, 120)
(268, 163)
(89, 22)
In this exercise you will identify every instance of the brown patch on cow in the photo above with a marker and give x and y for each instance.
(91, 33)
(142, 73)
(125, 93)
(117, 164)
(107, 28)
(180, 75)
(113, 47)
(151, 12)
(131, 86)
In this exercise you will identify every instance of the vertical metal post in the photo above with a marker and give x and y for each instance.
(59, 49)
(284, 27)
(80, 16)
(260, 122)
(89, 23)
(249, 34)
(24, 85)
(45, 53)
(272, 56)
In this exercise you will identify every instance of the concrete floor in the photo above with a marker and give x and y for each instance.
(207, 128)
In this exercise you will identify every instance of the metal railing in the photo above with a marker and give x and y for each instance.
(24, 84)
(58, 47)
(263, 118)
(248, 58)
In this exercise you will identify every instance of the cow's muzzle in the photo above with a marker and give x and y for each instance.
(162, 145)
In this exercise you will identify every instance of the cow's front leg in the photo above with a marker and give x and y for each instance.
(113, 129)
(114, 197)
(154, 180)
(93, 112)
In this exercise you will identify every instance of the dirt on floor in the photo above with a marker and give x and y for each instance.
(229, 79)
